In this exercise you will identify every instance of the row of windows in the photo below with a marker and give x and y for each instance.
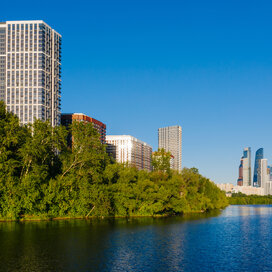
(29, 96)
(24, 26)
(27, 78)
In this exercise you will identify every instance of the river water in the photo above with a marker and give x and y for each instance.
(238, 239)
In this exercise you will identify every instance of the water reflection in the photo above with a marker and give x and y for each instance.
(237, 239)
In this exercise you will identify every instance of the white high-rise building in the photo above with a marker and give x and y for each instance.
(247, 166)
(170, 138)
(266, 183)
(30, 64)
(128, 149)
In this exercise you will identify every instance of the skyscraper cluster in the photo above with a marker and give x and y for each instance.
(262, 177)
(30, 86)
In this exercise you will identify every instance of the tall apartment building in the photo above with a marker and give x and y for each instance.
(68, 118)
(170, 138)
(125, 148)
(30, 70)
(245, 168)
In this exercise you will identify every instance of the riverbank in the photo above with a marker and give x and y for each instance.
(241, 199)
(193, 214)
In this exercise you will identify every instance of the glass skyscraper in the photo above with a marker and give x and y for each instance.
(257, 168)
(245, 168)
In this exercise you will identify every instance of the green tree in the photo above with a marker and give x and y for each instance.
(161, 160)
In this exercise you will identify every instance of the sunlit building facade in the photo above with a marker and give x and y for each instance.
(128, 149)
(30, 70)
(170, 139)
(265, 181)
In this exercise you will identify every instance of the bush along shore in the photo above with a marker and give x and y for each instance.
(242, 199)
(43, 177)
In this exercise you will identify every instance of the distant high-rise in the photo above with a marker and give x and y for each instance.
(265, 176)
(245, 168)
(170, 138)
(257, 168)
(240, 178)
(128, 149)
(30, 60)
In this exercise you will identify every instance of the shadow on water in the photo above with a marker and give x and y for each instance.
(212, 241)
(133, 222)
(122, 244)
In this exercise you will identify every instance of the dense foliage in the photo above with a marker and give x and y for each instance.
(242, 199)
(42, 177)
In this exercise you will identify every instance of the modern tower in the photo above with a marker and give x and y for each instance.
(240, 178)
(257, 168)
(30, 70)
(247, 167)
(170, 138)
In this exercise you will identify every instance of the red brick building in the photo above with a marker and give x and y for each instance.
(68, 118)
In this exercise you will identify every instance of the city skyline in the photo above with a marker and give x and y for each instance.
(169, 64)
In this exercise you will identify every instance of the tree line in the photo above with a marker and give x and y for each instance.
(41, 176)
(242, 199)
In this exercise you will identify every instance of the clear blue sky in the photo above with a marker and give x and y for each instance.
(138, 65)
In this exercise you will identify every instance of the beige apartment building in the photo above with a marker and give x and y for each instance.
(128, 149)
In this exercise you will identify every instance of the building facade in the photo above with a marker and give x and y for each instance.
(247, 166)
(170, 138)
(30, 70)
(230, 188)
(68, 118)
(240, 178)
(257, 167)
(265, 181)
(128, 149)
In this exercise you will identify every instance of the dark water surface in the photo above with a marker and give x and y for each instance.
(238, 239)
